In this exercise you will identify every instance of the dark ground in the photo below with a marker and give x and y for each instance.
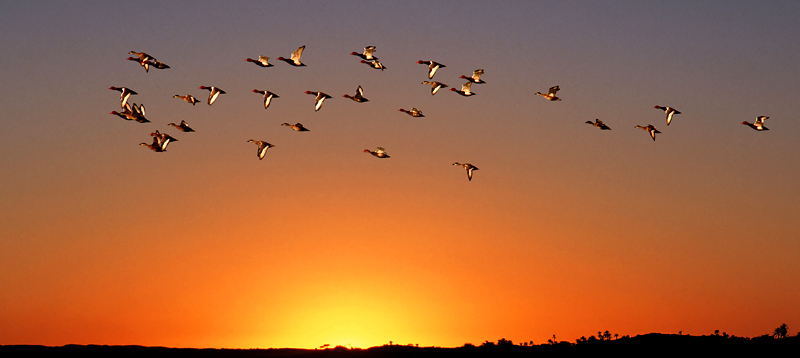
(643, 345)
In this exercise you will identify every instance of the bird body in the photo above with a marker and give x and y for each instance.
(183, 126)
(188, 98)
(465, 90)
(320, 97)
(650, 129)
(669, 111)
(551, 94)
(374, 64)
(379, 153)
(432, 67)
(213, 93)
(476, 76)
(124, 94)
(412, 112)
(367, 55)
(759, 123)
(268, 96)
(262, 61)
(162, 140)
(469, 167)
(262, 147)
(295, 59)
(358, 97)
(297, 126)
(599, 124)
(435, 86)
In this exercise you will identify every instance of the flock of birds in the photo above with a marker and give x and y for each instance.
(137, 112)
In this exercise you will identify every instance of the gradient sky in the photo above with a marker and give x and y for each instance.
(564, 230)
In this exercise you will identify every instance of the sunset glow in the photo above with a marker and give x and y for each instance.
(564, 230)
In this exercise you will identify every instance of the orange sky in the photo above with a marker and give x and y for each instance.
(564, 230)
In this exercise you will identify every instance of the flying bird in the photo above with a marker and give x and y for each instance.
(599, 124)
(380, 152)
(162, 140)
(213, 93)
(183, 127)
(262, 61)
(367, 55)
(262, 147)
(669, 111)
(650, 129)
(476, 77)
(465, 90)
(297, 126)
(413, 112)
(469, 167)
(144, 64)
(159, 65)
(295, 60)
(124, 94)
(358, 97)
(759, 123)
(551, 94)
(268, 96)
(432, 67)
(320, 97)
(132, 113)
(374, 64)
(188, 98)
(435, 86)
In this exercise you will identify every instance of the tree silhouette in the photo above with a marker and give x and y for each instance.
(607, 335)
(781, 331)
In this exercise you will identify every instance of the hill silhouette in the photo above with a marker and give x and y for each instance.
(646, 344)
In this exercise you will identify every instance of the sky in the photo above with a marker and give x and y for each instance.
(564, 230)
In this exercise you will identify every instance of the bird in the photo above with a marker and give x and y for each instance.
(320, 97)
(374, 64)
(262, 61)
(143, 57)
(469, 167)
(158, 64)
(358, 97)
(379, 153)
(213, 93)
(669, 111)
(162, 139)
(183, 127)
(367, 55)
(465, 90)
(476, 76)
(124, 94)
(268, 96)
(262, 147)
(132, 113)
(188, 98)
(435, 86)
(297, 126)
(295, 60)
(154, 147)
(551, 94)
(650, 129)
(759, 123)
(413, 112)
(599, 124)
(432, 67)
(145, 64)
